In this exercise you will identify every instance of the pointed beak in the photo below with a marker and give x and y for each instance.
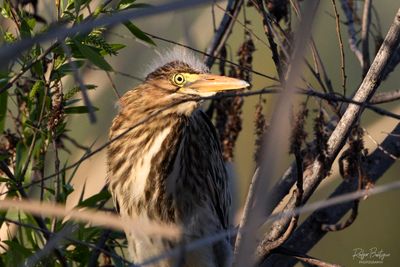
(209, 83)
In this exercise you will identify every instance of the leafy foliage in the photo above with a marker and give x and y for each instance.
(34, 110)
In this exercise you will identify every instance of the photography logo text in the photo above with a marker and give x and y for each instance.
(370, 256)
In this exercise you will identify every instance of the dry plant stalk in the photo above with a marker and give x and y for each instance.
(98, 218)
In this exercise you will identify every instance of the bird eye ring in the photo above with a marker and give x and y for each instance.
(178, 79)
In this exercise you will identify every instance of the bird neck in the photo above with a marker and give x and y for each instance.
(141, 160)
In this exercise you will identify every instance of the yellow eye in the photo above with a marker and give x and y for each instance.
(178, 79)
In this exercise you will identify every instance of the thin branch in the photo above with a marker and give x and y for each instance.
(272, 44)
(385, 97)
(246, 211)
(378, 145)
(242, 24)
(342, 58)
(366, 22)
(113, 85)
(351, 31)
(224, 30)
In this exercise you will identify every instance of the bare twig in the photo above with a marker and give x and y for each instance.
(113, 85)
(366, 22)
(224, 30)
(385, 97)
(272, 44)
(352, 32)
(246, 210)
(378, 145)
(342, 59)
(242, 24)
(98, 218)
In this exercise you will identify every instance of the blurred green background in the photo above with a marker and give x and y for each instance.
(378, 220)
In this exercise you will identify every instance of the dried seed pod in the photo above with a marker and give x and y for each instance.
(245, 54)
(299, 135)
(229, 111)
(261, 126)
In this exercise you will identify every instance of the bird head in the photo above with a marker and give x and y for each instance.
(180, 79)
(177, 76)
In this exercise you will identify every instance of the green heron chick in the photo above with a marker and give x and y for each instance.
(169, 169)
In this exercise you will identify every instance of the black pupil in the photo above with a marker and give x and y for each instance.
(179, 78)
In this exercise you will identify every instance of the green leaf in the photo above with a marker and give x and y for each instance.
(117, 47)
(78, 110)
(93, 56)
(138, 33)
(3, 110)
(77, 5)
(26, 27)
(93, 200)
(127, 4)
